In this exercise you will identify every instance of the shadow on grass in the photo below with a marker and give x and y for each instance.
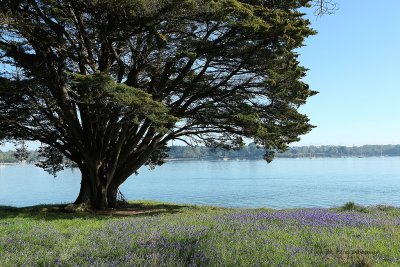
(56, 212)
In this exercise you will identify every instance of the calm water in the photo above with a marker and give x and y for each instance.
(285, 183)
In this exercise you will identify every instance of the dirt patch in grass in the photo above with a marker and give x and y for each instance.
(128, 212)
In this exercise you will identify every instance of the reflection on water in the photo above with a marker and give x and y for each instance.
(284, 183)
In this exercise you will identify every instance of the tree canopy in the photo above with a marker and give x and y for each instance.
(108, 83)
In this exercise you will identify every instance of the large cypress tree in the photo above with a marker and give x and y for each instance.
(108, 83)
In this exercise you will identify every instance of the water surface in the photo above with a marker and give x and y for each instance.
(285, 183)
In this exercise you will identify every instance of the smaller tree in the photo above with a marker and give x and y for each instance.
(21, 153)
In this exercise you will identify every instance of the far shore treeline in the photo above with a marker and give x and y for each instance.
(252, 152)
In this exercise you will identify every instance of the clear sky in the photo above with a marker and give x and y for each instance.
(354, 62)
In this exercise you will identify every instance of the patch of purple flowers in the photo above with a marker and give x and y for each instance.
(313, 218)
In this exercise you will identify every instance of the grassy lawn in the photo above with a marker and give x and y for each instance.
(156, 234)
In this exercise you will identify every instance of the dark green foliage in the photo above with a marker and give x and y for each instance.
(351, 206)
(158, 158)
(21, 153)
(50, 160)
(109, 83)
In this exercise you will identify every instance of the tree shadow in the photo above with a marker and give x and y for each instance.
(145, 208)
(57, 211)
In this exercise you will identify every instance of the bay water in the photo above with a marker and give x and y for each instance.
(284, 183)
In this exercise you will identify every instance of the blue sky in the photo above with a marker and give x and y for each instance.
(354, 62)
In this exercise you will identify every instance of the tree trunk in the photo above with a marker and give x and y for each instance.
(96, 196)
(84, 196)
(100, 186)
(101, 199)
(112, 196)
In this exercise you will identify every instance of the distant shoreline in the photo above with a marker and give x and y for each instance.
(251, 152)
(277, 157)
(234, 159)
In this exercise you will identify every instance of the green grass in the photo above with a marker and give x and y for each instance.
(163, 234)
